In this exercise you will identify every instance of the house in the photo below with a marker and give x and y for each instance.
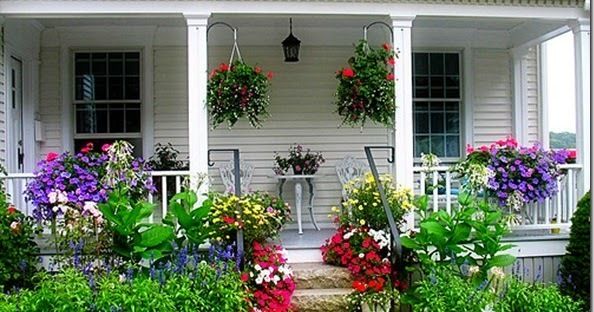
(468, 72)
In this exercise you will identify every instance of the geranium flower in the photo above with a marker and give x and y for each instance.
(348, 73)
(51, 156)
(11, 209)
(391, 61)
(386, 46)
(390, 76)
(359, 286)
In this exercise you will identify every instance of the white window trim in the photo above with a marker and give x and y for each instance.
(74, 102)
(463, 118)
(79, 38)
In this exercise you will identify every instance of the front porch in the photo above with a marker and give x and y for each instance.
(498, 88)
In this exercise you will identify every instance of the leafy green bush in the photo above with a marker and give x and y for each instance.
(575, 266)
(18, 260)
(445, 291)
(469, 235)
(138, 294)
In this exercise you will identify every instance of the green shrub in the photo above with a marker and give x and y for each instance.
(518, 296)
(138, 294)
(575, 266)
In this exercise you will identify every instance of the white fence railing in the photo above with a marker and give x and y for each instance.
(166, 182)
(553, 213)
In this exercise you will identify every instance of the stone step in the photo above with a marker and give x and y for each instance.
(321, 276)
(321, 300)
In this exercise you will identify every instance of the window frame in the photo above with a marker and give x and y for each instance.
(74, 102)
(461, 100)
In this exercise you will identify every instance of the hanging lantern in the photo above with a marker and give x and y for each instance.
(291, 46)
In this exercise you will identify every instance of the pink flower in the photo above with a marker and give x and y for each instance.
(469, 149)
(11, 209)
(270, 75)
(51, 156)
(386, 46)
(390, 76)
(391, 61)
(105, 147)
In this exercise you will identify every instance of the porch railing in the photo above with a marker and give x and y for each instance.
(442, 188)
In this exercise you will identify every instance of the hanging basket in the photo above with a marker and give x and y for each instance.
(237, 90)
(366, 88)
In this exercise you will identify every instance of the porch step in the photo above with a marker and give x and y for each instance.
(321, 287)
(321, 276)
(321, 300)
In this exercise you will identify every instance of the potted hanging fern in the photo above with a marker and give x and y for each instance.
(236, 91)
(366, 88)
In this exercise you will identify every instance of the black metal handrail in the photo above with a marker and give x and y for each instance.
(236, 173)
(396, 245)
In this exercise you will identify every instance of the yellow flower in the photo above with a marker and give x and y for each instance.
(335, 209)
(360, 207)
(362, 222)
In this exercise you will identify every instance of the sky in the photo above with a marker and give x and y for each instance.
(561, 87)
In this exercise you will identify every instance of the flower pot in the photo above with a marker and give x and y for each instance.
(376, 308)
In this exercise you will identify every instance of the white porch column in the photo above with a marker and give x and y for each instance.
(197, 112)
(520, 103)
(403, 134)
(581, 37)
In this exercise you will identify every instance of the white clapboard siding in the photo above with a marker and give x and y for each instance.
(302, 111)
(50, 108)
(2, 101)
(492, 111)
(532, 91)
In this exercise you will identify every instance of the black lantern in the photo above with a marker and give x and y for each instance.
(291, 46)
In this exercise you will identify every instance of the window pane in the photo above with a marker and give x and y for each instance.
(99, 64)
(421, 106)
(422, 92)
(116, 63)
(421, 145)
(437, 106)
(437, 145)
(452, 123)
(421, 81)
(436, 87)
(421, 63)
(437, 123)
(452, 81)
(421, 123)
(82, 67)
(132, 64)
(452, 66)
(116, 88)
(99, 88)
(451, 106)
(436, 63)
(133, 120)
(452, 146)
(132, 88)
(91, 118)
(116, 120)
(452, 93)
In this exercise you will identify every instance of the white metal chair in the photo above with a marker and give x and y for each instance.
(246, 171)
(349, 168)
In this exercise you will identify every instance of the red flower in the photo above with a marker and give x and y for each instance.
(359, 286)
(386, 46)
(257, 70)
(348, 73)
(85, 150)
(51, 156)
(391, 61)
(105, 147)
(244, 277)
(90, 146)
(223, 67)
(11, 209)
(390, 76)
(270, 75)
(469, 149)
(228, 220)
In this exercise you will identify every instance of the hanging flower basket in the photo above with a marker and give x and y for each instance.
(366, 88)
(236, 91)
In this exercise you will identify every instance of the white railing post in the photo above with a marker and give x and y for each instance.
(403, 134)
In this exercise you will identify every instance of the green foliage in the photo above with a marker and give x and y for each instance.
(139, 294)
(575, 266)
(236, 91)
(165, 158)
(562, 139)
(189, 221)
(18, 260)
(470, 235)
(524, 297)
(132, 238)
(66, 291)
(366, 89)
(445, 291)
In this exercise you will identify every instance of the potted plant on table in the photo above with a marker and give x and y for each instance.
(303, 161)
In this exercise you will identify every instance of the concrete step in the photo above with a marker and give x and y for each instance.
(321, 300)
(321, 276)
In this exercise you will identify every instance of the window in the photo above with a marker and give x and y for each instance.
(107, 98)
(436, 104)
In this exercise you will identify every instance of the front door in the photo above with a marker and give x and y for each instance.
(15, 159)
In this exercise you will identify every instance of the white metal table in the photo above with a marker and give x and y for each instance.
(282, 179)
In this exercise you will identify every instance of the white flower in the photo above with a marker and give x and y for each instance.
(275, 279)
(361, 255)
(257, 267)
(14, 225)
(62, 197)
(488, 308)
(473, 270)
(497, 272)
(122, 278)
(52, 197)
(515, 201)
(429, 160)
